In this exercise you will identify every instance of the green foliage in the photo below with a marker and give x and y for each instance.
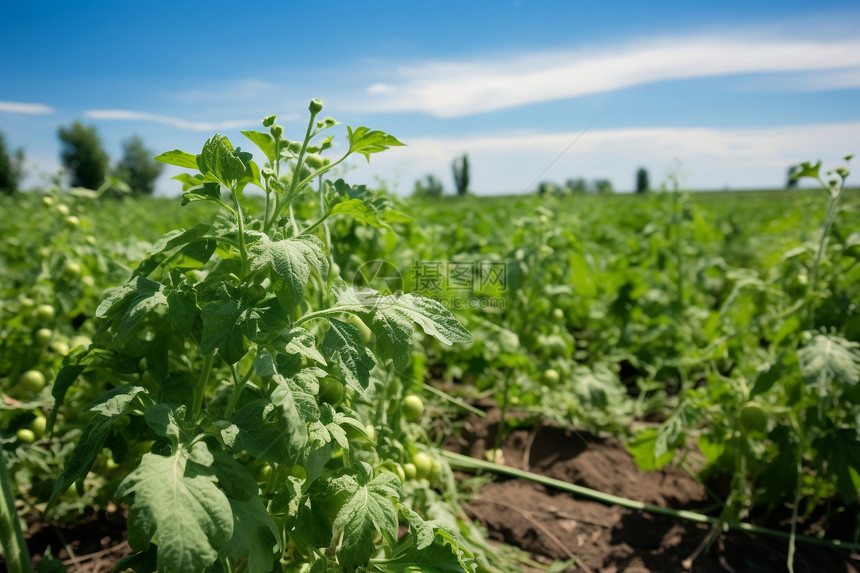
(11, 167)
(137, 168)
(82, 155)
(460, 167)
(430, 188)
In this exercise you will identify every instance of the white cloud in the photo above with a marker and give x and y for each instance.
(234, 91)
(452, 89)
(26, 108)
(122, 114)
(709, 158)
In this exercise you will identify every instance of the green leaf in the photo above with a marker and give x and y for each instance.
(841, 452)
(366, 142)
(173, 242)
(299, 341)
(209, 191)
(177, 503)
(264, 141)
(391, 318)
(113, 405)
(178, 158)
(370, 509)
(643, 446)
(218, 160)
(269, 430)
(806, 169)
(292, 260)
(255, 536)
(827, 358)
(223, 326)
(443, 555)
(188, 180)
(343, 341)
(674, 430)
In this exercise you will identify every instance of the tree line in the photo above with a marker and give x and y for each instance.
(87, 163)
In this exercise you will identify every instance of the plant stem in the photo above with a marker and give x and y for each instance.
(243, 250)
(11, 536)
(832, 205)
(238, 386)
(200, 389)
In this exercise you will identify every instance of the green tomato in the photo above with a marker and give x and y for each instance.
(410, 471)
(45, 313)
(31, 381)
(63, 210)
(753, 417)
(550, 376)
(413, 407)
(26, 435)
(399, 472)
(72, 222)
(367, 336)
(423, 465)
(558, 314)
(38, 425)
(72, 269)
(435, 471)
(331, 391)
(43, 336)
(256, 293)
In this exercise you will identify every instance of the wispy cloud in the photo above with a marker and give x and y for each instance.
(26, 108)
(245, 90)
(459, 88)
(128, 115)
(711, 158)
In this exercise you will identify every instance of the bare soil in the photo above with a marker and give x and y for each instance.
(553, 525)
(548, 524)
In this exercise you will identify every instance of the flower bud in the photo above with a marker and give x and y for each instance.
(315, 106)
(277, 131)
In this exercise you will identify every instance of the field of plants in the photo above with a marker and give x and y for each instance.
(320, 377)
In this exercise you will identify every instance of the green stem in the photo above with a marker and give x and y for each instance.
(202, 382)
(467, 463)
(832, 205)
(238, 386)
(11, 536)
(453, 400)
(243, 250)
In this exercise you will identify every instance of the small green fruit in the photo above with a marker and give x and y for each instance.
(38, 425)
(413, 407)
(26, 435)
(256, 293)
(63, 210)
(45, 313)
(367, 337)
(43, 336)
(410, 471)
(423, 465)
(753, 417)
(331, 391)
(550, 376)
(32, 381)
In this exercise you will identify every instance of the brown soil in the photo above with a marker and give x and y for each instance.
(548, 524)
(553, 525)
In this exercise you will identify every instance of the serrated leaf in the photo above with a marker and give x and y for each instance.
(365, 141)
(269, 431)
(359, 210)
(299, 341)
(443, 555)
(113, 405)
(343, 340)
(177, 503)
(642, 447)
(223, 327)
(209, 191)
(673, 431)
(292, 260)
(188, 180)
(218, 160)
(828, 357)
(255, 536)
(179, 158)
(806, 169)
(369, 509)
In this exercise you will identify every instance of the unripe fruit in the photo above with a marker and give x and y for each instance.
(47, 201)
(550, 376)
(26, 435)
(32, 381)
(45, 313)
(753, 418)
(63, 210)
(413, 407)
(72, 269)
(71, 221)
(43, 336)
(256, 293)
(558, 314)
(367, 336)
(38, 425)
(423, 465)
(331, 391)
(315, 161)
(410, 471)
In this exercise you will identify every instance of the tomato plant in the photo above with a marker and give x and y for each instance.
(228, 346)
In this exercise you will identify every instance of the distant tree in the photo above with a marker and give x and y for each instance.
(548, 188)
(429, 187)
(11, 168)
(137, 167)
(791, 183)
(603, 186)
(82, 155)
(461, 174)
(577, 185)
(642, 183)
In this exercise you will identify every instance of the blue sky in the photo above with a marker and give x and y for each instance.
(722, 95)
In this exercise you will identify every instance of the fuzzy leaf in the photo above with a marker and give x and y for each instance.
(343, 340)
(828, 357)
(290, 260)
(218, 160)
(179, 158)
(365, 141)
(177, 503)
